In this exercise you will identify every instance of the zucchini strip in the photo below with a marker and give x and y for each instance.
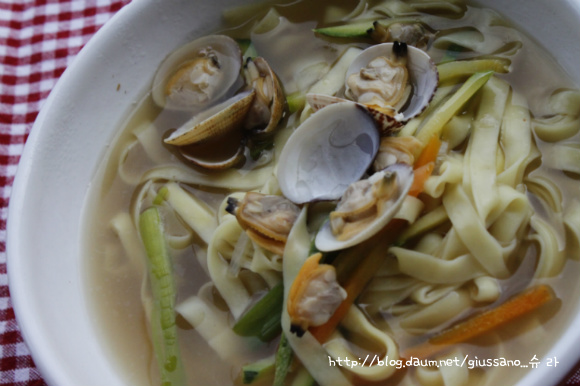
(257, 371)
(461, 69)
(163, 328)
(355, 30)
(444, 113)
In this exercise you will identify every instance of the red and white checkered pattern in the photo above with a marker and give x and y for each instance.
(38, 40)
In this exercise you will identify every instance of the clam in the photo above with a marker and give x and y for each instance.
(267, 219)
(268, 106)
(198, 74)
(214, 122)
(204, 78)
(218, 153)
(393, 150)
(330, 150)
(413, 33)
(395, 82)
(314, 296)
(365, 208)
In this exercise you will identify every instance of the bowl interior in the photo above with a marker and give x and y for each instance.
(72, 134)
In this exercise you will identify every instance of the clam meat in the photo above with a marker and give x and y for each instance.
(383, 82)
(395, 82)
(198, 74)
(206, 79)
(393, 150)
(267, 219)
(314, 296)
(268, 106)
(365, 208)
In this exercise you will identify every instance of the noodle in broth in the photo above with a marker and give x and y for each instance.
(498, 215)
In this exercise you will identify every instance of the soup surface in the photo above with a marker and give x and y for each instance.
(451, 187)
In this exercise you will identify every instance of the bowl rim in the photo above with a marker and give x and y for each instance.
(55, 373)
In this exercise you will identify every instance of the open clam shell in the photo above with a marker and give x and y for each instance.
(220, 153)
(423, 80)
(329, 151)
(422, 75)
(198, 74)
(214, 122)
(268, 106)
(326, 240)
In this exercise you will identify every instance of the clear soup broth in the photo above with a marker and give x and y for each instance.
(469, 272)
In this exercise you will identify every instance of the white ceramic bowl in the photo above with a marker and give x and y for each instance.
(71, 136)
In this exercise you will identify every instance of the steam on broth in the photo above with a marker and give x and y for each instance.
(451, 189)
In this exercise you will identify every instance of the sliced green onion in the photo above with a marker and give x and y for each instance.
(244, 44)
(163, 327)
(452, 52)
(296, 101)
(250, 51)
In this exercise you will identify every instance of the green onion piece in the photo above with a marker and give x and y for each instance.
(355, 30)
(258, 147)
(163, 328)
(296, 101)
(462, 69)
(445, 112)
(283, 361)
(263, 319)
(244, 44)
(250, 52)
(452, 52)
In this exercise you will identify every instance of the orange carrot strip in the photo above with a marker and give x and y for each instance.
(483, 323)
(421, 175)
(429, 153)
(372, 256)
(424, 165)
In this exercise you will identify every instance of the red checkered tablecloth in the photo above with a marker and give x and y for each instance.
(38, 40)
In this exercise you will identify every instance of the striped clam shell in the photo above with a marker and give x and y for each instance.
(217, 121)
(386, 124)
